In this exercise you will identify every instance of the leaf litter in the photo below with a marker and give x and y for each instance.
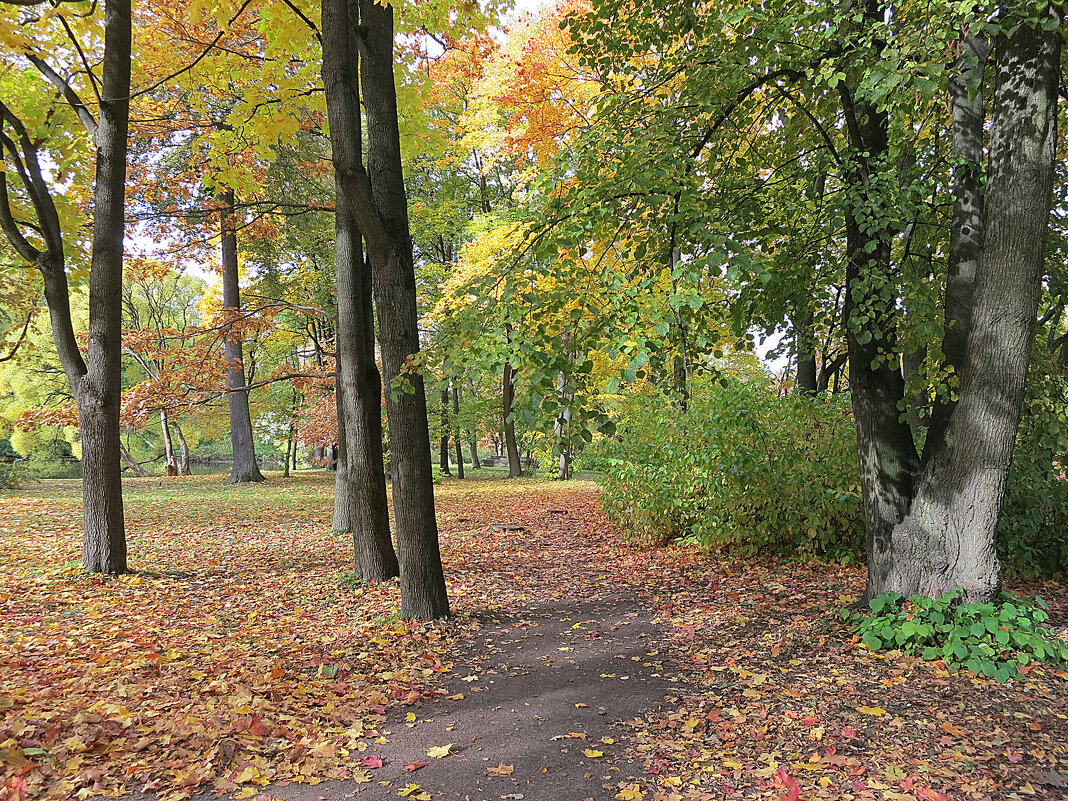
(236, 657)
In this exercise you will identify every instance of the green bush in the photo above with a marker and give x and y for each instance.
(10, 475)
(991, 639)
(1032, 534)
(742, 468)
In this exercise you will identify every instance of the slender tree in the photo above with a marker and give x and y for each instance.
(244, 469)
(95, 381)
(360, 505)
(381, 215)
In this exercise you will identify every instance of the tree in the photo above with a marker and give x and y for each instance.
(383, 220)
(946, 538)
(360, 504)
(95, 379)
(381, 216)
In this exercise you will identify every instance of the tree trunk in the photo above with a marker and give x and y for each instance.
(456, 432)
(168, 445)
(360, 506)
(887, 454)
(443, 450)
(515, 469)
(947, 540)
(131, 463)
(562, 429)
(476, 463)
(805, 349)
(98, 396)
(966, 226)
(289, 448)
(183, 451)
(423, 593)
(244, 468)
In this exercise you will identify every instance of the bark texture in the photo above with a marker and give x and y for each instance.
(947, 539)
(886, 452)
(244, 469)
(423, 593)
(360, 504)
(515, 467)
(966, 227)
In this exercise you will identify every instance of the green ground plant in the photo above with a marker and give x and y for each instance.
(989, 639)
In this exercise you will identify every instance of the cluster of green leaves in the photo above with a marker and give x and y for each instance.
(1032, 536)
(741, 467)
(992, 639)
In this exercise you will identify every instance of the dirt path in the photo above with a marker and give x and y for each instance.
(536, 693)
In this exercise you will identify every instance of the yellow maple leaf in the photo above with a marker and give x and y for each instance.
(410, 790)
(632, 793)
(871, 710)
(502, 770)
(410, 717)
(439, 751)
(593, 752)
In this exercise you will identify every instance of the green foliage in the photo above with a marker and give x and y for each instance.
(10, 475)
(1032, 535)
(991, 639)
(741, 468)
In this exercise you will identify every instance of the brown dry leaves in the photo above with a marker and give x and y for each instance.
(236, 657)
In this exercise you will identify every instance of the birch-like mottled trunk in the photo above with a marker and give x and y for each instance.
(947, 539)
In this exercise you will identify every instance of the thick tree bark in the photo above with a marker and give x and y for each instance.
(515, 468)
(244, 467)
(456, 432)
(98, 397)
(886, 452)
(966, 227)
(443, 445)
(423, 593)
(360, 504)
(947, 540)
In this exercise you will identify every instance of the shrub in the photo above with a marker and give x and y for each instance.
(991, 639)
(10, 475)
(1033, 528)
(742, 468)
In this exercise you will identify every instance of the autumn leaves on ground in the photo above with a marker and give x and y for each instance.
(238, 656)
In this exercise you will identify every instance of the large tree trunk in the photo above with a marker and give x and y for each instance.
(98, 397)
(423, 593)
(168, 445)
(515, 468)
(244, 467)
(966, 227)
(947, 540)
(360, 504)
(887, 454)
